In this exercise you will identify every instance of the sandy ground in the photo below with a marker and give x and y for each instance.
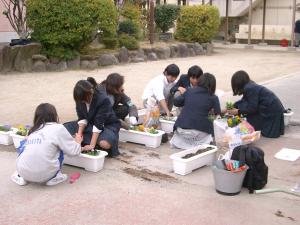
(21, 93)
(139, 186)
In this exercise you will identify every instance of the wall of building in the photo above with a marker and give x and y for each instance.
(6, 31)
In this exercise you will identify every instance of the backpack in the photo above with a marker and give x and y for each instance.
(257, 174)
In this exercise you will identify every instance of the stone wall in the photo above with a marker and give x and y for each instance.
(27, 58)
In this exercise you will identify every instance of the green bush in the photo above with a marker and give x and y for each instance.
(133, 13)
(197, 23)
(128, 42)
(129, 27)
(165, 16)
(110, 42)
(64, 26)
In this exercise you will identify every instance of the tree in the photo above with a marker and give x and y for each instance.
(15, 12)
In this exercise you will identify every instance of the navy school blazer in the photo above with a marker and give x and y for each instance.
(196, 103)
(100, 113)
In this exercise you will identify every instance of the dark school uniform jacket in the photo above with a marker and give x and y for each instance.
(184, 81)
(100, 113)
(263, 109)
(122, 99)
(196, 103)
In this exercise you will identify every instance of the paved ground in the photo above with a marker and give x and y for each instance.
(139, 187)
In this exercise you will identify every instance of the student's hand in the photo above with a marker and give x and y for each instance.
(78, 138)
(88, 148)
(181, 90)
(132, 120)
(233, 111)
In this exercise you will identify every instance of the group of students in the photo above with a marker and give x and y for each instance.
(102, 108)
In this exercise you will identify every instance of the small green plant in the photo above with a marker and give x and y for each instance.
(23, 130)
(165, 16)
(197, 23)
(128, 42)
(93, 152)
(229, 105)
(5, 128)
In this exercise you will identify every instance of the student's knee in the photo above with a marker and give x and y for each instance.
(105, 145)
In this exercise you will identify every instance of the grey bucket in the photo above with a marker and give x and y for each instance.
(227, 182)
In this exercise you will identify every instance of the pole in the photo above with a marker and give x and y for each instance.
(226, 22)
(293, 24)
(203, 2)
(249, 22)
(151, 22)
(264, 21)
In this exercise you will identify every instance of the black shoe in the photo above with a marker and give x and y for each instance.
(164, 138)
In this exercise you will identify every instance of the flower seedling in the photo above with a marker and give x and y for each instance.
(5, 128)
(233, 121)
(229, 105)
(93, 152)
(23, 130)
(141, 128)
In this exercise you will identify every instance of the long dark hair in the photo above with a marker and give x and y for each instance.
(208, 81)
(44, 113)
(238, 81)
(84, 89)
(113, 82)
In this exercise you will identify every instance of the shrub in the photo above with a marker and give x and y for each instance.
(128, 42)
(165, 16)
(110, 42)
(197, 23)
(129, 27)
(133, 13)
(65, 26)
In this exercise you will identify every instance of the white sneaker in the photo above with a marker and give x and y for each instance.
(60, 177)
(18, 179)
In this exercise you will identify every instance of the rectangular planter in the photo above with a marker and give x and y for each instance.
(5, 138)
(17, 139)
(287, 118)
(185, 166)
(88, 162)
(167, 125)
(145, 138)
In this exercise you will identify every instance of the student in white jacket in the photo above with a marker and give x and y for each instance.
(42, 154)
(159, 88)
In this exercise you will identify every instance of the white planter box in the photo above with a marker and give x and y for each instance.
(88, 162)
(5, 138)
(145, 138)
(167, 125)
(287, 118)
(185, 166)
(17, 139)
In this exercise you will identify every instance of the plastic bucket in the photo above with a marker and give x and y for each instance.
(227, 182)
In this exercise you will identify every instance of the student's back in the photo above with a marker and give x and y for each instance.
(39, 160)
(196, 103)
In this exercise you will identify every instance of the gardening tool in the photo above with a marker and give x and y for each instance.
(74, 177)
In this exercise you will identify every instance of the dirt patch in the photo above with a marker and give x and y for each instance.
(280, 214)
(149, 175)
(153, 155)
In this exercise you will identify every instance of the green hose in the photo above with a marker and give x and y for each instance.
(271, 190)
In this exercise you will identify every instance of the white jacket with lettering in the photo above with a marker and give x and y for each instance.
(39, 160)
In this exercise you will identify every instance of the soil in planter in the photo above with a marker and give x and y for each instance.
(200, 151)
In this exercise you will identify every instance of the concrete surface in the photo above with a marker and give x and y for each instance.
(139, 186)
